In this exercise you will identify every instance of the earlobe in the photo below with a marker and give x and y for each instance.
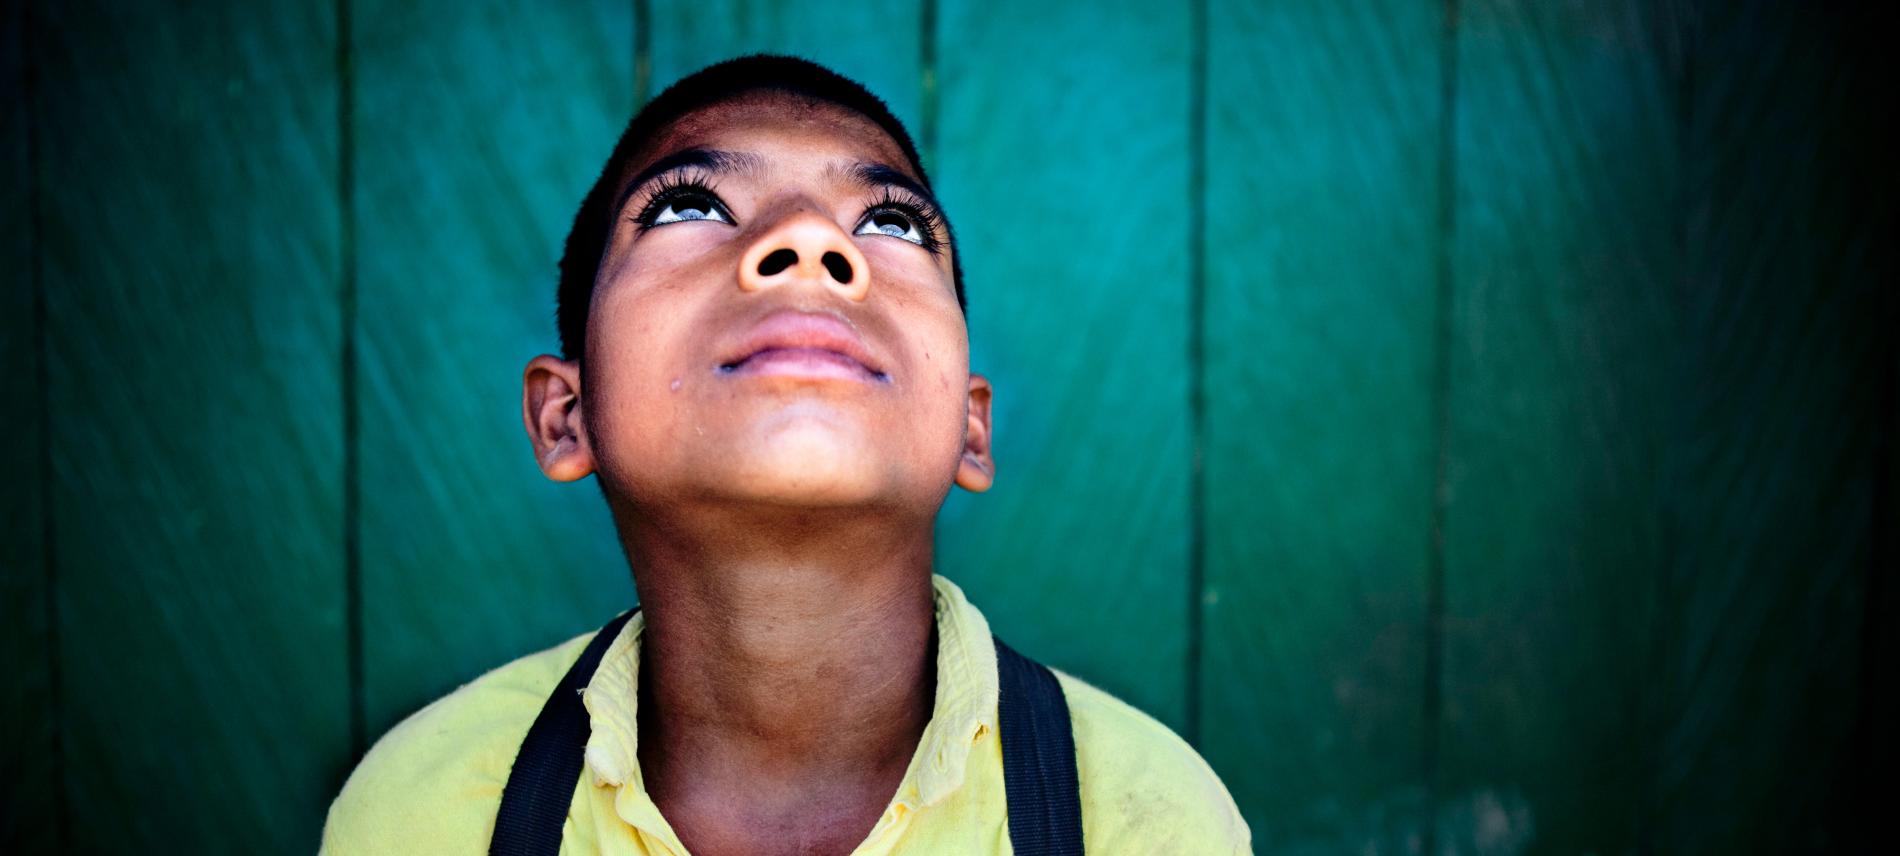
(551, 411)
(977, 470)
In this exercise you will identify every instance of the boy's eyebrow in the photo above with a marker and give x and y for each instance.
(712, 160)
(875, 175)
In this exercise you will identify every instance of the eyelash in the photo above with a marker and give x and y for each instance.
(929, 223)
(674, 186)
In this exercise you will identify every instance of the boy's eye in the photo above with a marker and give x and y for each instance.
(886, 221)
(689, 205)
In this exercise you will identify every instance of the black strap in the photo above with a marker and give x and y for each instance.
(1045, 804)
(540, 788)
(1039, 780)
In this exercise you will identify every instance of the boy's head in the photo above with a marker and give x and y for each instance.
(761, 302)
(711, 85)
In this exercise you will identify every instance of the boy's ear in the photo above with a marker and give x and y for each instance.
(551, 410)
(977, 470)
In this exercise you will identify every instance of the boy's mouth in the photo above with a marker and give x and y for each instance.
(804, 345)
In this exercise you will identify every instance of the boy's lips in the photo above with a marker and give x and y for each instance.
(805, 345)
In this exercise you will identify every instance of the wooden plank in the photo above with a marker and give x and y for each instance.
(878, 45)
(478, 126)
(1781, 426)
(191, 269)
(29, 798)
(1323, 155)
(1063, 160)
(1561, 383)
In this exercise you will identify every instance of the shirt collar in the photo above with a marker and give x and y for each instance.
(963, 713)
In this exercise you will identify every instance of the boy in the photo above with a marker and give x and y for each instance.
(767, 369)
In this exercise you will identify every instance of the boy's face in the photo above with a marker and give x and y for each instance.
(774, 322)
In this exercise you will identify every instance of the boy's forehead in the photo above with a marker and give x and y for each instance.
(775, 124)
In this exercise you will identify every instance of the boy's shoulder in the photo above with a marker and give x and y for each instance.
(1143, 787)
(433, 783)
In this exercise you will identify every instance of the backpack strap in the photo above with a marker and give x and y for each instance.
(1039, 779)
(540, 788)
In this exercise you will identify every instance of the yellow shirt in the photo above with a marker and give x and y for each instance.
(433, 783)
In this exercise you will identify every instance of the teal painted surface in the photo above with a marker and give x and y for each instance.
(1774, 514)
(879, 44)
(1321, 245)
(477, 129)
(1544, 499)
(27, 732)
(1076, 262)
(190, 271)
(1564, 262)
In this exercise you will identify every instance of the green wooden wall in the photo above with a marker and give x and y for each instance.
(1470, 422)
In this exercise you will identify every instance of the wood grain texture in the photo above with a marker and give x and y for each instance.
(29, 796)
(478, 127)
(1561, 384)
(877, 45)
(191, 268)
(1668, 411)
(1063, 161)
(1783, 335)
(1323, 155)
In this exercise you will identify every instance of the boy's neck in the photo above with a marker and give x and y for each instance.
(787, 668)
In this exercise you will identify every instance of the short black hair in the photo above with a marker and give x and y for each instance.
(724, 81)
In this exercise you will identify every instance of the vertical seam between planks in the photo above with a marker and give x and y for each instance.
(352, 457)
(1441, 416)
(642, 52)
(1876, 694)
(1197, 363)
(1873, 754)
(927, 74)
(1676, 29)
(42, 371)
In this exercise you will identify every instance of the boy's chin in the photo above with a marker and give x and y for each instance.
(793, 463)
(804, 491)
(814, 475)
(818, 476)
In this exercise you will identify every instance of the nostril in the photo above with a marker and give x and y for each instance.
(839, 266)
(776, 261)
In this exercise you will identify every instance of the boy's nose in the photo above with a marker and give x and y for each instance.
(806, 247)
